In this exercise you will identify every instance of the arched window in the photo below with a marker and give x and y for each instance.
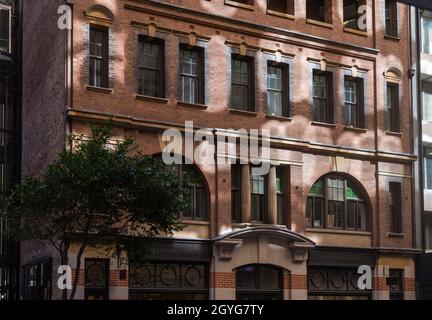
(335, 202)
(198, 195)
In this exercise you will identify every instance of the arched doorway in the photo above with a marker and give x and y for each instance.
(259, 282)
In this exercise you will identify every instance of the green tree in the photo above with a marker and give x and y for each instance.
(95, 191)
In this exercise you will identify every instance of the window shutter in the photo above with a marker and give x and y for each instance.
(252, 79)
(360, 103)
(330, 100)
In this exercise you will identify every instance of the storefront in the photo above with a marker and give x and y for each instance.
(172, 270)
(333, 274)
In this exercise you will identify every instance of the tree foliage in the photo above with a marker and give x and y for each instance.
(97, 190)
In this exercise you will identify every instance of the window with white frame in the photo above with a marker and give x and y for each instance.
(427, 34)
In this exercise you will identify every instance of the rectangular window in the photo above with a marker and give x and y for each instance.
(393, 107)
(191, 74)
(282, 6)
(428, 168)
(336, 203)
(427, 35)
(5, 29)
(391, 18)
(351, 13)
(151, 67)
(315, 211)
(427, 101)
(37, 280)
(395, 283)
(242, 86)
(319, 10)
(277, 90)
(96, 279)
(98, 56)
(322, 96)
(258, 197)
(395, 202)
(235, 193)
(354, 106)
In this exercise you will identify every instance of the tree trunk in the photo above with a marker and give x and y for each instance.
(64, 250)
(78, 269)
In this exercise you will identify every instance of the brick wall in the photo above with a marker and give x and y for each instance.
(44, 96)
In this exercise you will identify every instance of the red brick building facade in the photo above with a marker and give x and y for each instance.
(334, 96)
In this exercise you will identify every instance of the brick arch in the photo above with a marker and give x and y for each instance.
(358, 187)
(99, 12)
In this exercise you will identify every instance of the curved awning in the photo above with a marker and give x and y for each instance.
(273, 231)
(297, 243)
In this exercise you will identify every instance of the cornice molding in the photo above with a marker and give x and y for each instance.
(276, 142)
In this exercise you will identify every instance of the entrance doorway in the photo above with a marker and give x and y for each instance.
(259, 282)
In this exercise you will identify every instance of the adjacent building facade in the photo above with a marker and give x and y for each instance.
(9, 138)
(331, 85)
(422, 93)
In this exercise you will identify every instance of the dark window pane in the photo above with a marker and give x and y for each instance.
(309, 212)
(391, 18)
(318, 219)
(4, 29)
(361, 217)
(150, 76)
(98, 56)
(351, 214)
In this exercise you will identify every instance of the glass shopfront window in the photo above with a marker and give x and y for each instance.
(168, 281)
(259, 282)
(335, 283)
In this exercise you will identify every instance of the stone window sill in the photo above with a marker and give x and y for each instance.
(397, 39)
(280, 118)
(243, 112)
(395, 235)
(99, 89)
(153, 99)
(354, 31)
(319, 23)
(354, 129)
(323, 124)
(394, 134)
(239, 5)
(192, 105)
(280, 14)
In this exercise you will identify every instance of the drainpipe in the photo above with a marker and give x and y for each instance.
(69, 73)
(377, 237)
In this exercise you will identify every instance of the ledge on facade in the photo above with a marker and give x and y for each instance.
(263, 229)
(392, 38)
(395, 235)
(192, 105)
(319, 23)
(355, 31)
(338, 231)
(280, 118)
(280, 14)
(323, 124)
(149, 98)
(99, 89)
(354, 129)
(395, 134)
(240, 5)
(196, 222)
(243, 112)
